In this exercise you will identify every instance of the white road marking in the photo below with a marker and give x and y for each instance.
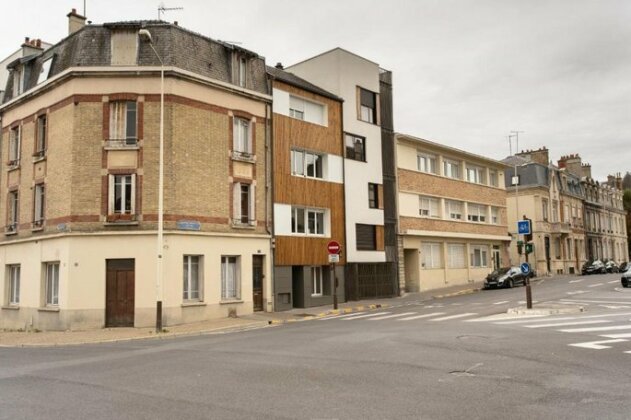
(365, 316)
(523, 302)
(564, 318)
(563, 324)
(596, 285)
(409, 318)
(503, 317)
(391, 316)
(596, 345)
(592, 329)
(623, 335)
(576, 281)
(501, 302)
(611, 282)
(578, 292)
(615, 306)
(341, 316)
(595, 301)
(445, 318)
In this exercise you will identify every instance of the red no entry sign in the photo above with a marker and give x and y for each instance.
(333, 247)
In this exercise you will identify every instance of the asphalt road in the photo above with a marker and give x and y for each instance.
(450, 358)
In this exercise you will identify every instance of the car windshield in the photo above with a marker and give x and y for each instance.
(502, 270)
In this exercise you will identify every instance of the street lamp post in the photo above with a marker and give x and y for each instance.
(146, 35)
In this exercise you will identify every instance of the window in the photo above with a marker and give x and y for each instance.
(52, 284)
(367, 106)
(456, 256)
(476, 175)
(306, 164)
(123, 123)
(242, 71)
(307, 221)
(45, 71)
(13, 212)
(315, 222)
(495, 215)
(426, 163)
(296, 108)
(373, 196)
(18, 81)
(297, 220)
(493, 179)
(544, 209)
(42, 133)
(230, 278)
(191, 286)
(366, 237)
(316, 281)
(431, 255)
(39, 202)
(309, 111)
(122, 194)
(476, 213)
(555, 211)
(244, 204)
(14, 284)
(242, 139)
(15, 146)
(479, 255)
(453, 209)
(428, 206)
(355, 147)
(451, 169)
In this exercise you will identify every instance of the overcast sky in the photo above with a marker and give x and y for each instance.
(466, 72)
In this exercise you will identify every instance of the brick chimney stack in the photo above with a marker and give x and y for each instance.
(586, 170)
(572, 164)
(75, 21)
(540, 156)
(31, 46)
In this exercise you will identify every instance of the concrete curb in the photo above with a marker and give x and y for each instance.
(341, 311)
(458, 293)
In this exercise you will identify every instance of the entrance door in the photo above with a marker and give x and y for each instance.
(547, 246)
(119, 293)
(257, 282)
(496, 257)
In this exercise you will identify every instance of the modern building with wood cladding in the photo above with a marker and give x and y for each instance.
(452, 208)
(308, 179)
(81, 129)
(370, 176)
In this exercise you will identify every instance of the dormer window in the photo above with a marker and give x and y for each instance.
(242, 71)
(45, 70)
(18, 81)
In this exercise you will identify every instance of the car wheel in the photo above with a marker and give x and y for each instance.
(509, 283)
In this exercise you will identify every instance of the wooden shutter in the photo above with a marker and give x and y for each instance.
(252, 205)
(365, 237)
(380, 196)
(379, 238)
(236, 202)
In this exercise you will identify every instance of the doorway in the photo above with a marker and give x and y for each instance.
(547, 247)
(119, 293)
(497, 263)
(257, 282)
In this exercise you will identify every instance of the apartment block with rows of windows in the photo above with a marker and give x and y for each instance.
(452, 209)
(369, 170)
(308, 191)
(80, 180)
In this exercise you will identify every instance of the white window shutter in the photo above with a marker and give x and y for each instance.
(235, 134)
(250, 136)
(236, 202)
(110, 199)
(133, 194)
(252, 205)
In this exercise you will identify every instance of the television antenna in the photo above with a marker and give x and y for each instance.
(162, 8)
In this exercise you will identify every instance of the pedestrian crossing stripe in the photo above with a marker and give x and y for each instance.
(365, 316)
(445, 318)
(410, 318)
(391, 316)
(596, 345)
(565, 324)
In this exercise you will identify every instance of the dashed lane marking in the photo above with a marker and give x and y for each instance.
(595, 285)
(576, 281)
(594, 329)
(501, 302)
(596, 345)
(365, 316)
(341, 316)
(391, 316)
(577, 292)
(611, 282)
(410, 318)
(566, 324)
(446, 318)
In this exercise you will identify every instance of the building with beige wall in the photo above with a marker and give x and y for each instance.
(80, 181)
(452, 210)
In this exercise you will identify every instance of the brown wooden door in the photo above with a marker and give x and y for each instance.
(257, 282)
(119, 293)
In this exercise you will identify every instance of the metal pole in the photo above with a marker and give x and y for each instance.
(334, 286)
(159, 272)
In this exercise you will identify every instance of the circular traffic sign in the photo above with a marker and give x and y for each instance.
(525, 268)
(333, 247)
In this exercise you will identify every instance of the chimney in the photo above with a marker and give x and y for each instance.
(571, 163)
(586, 170)
(31, 46)
(75, 21)
(540, 156)
(279, 66)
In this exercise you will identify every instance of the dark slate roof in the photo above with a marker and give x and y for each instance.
(530, 175)
(515, 160)
(292, 79)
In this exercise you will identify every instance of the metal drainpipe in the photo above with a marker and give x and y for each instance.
(269, 145)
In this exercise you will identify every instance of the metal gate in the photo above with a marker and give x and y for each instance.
(370, 280)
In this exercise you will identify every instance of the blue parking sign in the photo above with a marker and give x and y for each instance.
(523, 227)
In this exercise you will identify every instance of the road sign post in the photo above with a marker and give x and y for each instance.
(334, 249)
(525, 269)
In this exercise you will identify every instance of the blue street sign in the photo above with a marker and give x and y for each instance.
(523, 227)
(525, 268)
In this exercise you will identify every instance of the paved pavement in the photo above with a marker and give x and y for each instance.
(217, 326)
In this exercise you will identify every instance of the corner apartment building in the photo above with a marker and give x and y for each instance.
(453, 218)
(81, 170)
(308, 179)
(370, 205)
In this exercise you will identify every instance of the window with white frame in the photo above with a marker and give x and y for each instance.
(308, 221)
(476, 174)
(15, 140)
(242, 137)
(493, 179)
(428, 206)
(451, 169)
(42, 134)
(426, 163)
(38, 205)
(13, 273)
(230, 278)
(479, 255)
(123, 123)
(122, 194)
(456, 256)
(495, 215)
(307, 164)
(431, 255)
(192, 277)
(244, 199)
(453, 209)
(52, 284)
(306, 110)
(317, 280)
(13, 211)
(476, 213)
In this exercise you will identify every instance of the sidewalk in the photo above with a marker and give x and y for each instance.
(217, 326)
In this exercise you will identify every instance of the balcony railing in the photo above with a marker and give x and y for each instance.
(122, 143)
(561, 227)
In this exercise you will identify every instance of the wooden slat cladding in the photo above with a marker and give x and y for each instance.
(290, 133)
(379, 238)
(380, 196)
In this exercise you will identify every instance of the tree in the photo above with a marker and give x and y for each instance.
(626, 181)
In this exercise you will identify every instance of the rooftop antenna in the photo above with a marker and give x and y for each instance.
(162, 8)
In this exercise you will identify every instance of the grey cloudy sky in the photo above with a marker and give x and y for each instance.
(466, 72)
